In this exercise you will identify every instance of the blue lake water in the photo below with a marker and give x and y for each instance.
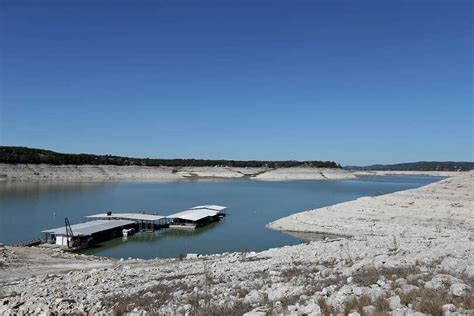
(26, 208)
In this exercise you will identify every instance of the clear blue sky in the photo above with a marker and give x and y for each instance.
(357, 82)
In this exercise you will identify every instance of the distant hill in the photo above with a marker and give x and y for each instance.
(23, 155)
(420, 166)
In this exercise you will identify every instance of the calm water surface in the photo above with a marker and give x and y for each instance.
(26, 208)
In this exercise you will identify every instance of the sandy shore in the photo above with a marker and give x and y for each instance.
(141, 173)
(411, 253)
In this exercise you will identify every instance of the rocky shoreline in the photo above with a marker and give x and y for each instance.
(143, 173)
(409, 253)
(91, 173)
(383, 173)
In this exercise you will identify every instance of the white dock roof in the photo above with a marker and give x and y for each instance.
(89, 228)
(194, 214)
(129, 216)
(210, 207)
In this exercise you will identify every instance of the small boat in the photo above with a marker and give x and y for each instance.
(128, 232)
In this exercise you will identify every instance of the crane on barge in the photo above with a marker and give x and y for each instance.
(69, 233)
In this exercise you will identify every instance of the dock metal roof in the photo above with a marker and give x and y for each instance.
(129, 216)
(194, 214)
(218, 208)
(89, 228)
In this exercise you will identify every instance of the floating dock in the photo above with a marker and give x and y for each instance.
(104, 226)
(83, 235)
(218, 208)
(145, 222)
(196, 217)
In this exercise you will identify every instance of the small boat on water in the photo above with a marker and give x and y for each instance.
(128, 232)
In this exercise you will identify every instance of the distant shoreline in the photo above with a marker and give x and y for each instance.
(83, 173)
(406, 173)
(144, 173)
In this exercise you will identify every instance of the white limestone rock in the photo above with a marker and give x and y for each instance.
(369, 310)
(469, 271)
(459, 289)
(253, 297)
(449, 308)
(453, 265)
(347, 272)
(312, 309)
(441, 281)
(394, 302)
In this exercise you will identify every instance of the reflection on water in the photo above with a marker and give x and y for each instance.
(142, 239)
(26, 208)
(16, 189)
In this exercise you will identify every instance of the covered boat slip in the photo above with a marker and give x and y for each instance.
(194, 218)
(145, 222)
(218, 208)
(104, 226)
(87, 233)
